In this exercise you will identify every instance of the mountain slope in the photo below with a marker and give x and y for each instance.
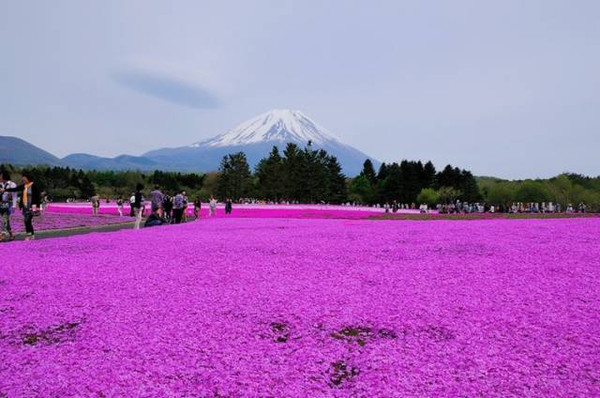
(19, 152)
(122, 162)
(256, 137)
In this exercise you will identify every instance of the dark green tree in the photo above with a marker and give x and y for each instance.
(234, 180)
(368, 171)
(270, 176)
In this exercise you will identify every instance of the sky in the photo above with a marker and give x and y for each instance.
(505, 88)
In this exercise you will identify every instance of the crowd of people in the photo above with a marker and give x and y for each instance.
(30, 203)
(166, 208)
(459, 207)
(515, 207)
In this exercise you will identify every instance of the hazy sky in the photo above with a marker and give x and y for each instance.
(505, 88)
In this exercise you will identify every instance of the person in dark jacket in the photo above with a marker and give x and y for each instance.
(197, 207)
(30, 202)
(178, 207)
(168, 208)
(155, 219)
(228, 206)
(138, 205)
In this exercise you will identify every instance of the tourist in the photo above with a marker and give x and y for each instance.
(155, 219)
(138, 205)
(6, 206)
(44, 201)
(95, 204)
(30, 201)
(131, 202)
(120, 207)
(197, 207)
(156, 200)
(212, 206)
(185, 206)
(228, 206)
(581, 207)
(178, 207)
(167, 208)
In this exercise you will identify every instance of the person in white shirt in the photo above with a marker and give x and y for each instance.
(212, 206)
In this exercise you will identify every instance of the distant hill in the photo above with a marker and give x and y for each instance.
(119, 163)
(19, 152)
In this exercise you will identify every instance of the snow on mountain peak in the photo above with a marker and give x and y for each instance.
(283, 125)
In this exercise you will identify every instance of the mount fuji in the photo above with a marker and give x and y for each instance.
(256, 137)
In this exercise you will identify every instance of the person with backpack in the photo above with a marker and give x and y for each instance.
(30, 202)
(156, 199)
(6, 206)
(178, 207)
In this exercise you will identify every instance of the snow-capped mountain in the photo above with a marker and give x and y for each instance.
(256, 137)
(278, 125)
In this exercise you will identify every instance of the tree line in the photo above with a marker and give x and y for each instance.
(413, 182)
(564, 189)
(62, 183)
(309, 175)
(305, 175)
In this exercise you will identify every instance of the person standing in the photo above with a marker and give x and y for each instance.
(131, 202)
(178, 206)
(120, 207)
(185, 206)
(167, 208)
(95, 204)
(30, 201)
(212, 206)
(138, 205)
(6, 206)
(156, 201)
(228, 206)
(197, 207)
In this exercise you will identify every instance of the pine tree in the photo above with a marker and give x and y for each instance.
(292, 172)
(338, 192)
(428, 175)
(368, 171)
(235, 178)
(269, 174)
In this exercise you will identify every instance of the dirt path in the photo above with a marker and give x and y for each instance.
(57, 233)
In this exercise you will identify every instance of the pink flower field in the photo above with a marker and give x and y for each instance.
(244, 211)
(50, 220)
(288, 307)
